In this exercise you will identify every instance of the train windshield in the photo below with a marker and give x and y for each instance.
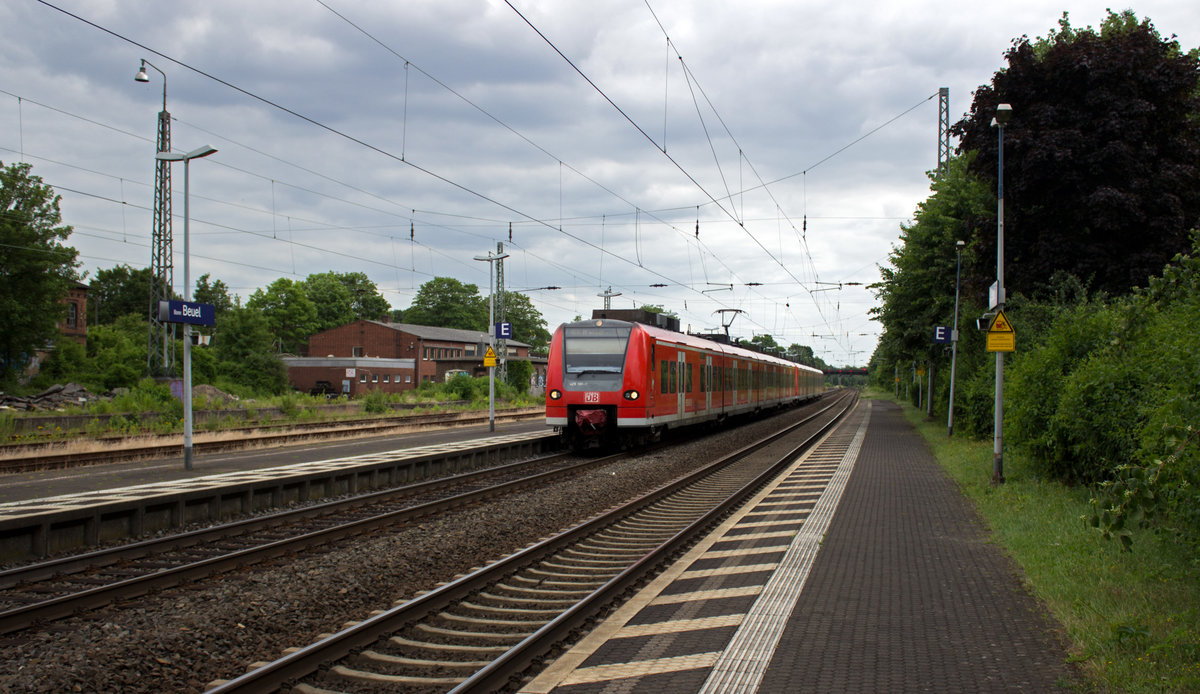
(593, 357)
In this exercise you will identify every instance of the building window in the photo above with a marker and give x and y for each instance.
(387, 378)
(357, 351)
(72, 314)
(470, 350)
(363, 377)
(407, 378)
(375, 378)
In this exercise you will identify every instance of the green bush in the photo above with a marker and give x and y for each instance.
(375, 401)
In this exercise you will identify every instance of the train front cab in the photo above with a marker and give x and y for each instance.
(591, 387)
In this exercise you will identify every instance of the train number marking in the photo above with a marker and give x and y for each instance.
(591, 397)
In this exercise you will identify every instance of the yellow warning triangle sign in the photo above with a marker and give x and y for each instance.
(489, 357)
(1000, 324)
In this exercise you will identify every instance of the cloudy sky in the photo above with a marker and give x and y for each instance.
(701, 156)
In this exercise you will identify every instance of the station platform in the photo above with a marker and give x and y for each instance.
(862, 569)
(83, 507)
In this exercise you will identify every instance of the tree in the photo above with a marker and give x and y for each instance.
(447, 303)
(333, 301)
(120, 291)
(528, 325)
(1102, 157)
(344, 297)
(765, 344)
(291, 316)
(244, 348)
(917, 291)
(367, 302)
(215, 293)
(36, 269)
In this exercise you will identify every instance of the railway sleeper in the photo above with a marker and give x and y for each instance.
(343, 672)
(490, 621)
(401, 642)
(377, 658)
(483, 635)
(495, 609)
(540, 600)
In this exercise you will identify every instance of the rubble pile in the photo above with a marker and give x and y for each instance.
(53, 398)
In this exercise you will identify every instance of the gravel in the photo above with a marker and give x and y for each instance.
(183, 639)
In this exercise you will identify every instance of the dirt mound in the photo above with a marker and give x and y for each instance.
(213, 394)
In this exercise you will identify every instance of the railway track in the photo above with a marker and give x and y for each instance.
(45, 591)
(484, 631)
(42, 456)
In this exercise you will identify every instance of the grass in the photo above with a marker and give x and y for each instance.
(1133, 617)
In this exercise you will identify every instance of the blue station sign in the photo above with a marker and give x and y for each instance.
(187, 312)
(504, 331)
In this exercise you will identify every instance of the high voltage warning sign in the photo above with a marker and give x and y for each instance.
(489, 357)
(1000, 335)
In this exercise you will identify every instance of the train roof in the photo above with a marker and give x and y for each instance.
(691, 341)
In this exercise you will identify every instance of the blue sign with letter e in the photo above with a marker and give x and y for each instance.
(504, 331)
(942, 334)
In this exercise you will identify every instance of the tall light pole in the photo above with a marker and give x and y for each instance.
(490, 260)
(160, 358)
(187, 296)
(958, 247)
(1003, 115)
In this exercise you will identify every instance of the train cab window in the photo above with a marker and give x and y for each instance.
(594, 357)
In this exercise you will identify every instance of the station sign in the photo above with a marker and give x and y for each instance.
(503, 331)
(189, 312)
(943, 334)
(1000, 335)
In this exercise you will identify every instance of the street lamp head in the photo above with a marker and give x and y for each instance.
(960, 244)
(1003, 114)
(141, 75)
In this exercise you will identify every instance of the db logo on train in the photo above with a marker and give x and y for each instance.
(591, 397)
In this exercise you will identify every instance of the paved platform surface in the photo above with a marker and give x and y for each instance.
(862, 570)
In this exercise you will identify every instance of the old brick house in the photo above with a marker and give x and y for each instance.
(367, 355)
(74, 324)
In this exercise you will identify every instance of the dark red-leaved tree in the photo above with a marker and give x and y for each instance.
(1101, 157)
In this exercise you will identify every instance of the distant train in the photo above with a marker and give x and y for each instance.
(614, 381)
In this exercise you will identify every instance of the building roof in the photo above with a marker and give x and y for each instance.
(431, 332)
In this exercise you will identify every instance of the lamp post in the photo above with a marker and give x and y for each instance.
(187, 296)
(1003, 115)
(958, 247)
(490, 260)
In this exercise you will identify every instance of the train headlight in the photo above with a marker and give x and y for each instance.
(632, 395)
(555, 394)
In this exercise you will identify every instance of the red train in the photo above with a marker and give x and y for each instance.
(616, 381)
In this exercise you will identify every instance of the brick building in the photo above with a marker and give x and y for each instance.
(366, 355)
(74, 324)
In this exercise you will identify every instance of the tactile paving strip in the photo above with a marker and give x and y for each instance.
(711, 622)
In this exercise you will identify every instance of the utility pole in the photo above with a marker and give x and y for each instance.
(160, 344)
(608, 295)
(943, 128)
(501, 311)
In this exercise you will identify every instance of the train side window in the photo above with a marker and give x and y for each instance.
(673, 366)
(689, 377)
(662, 379)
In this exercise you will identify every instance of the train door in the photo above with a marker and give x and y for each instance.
(681, 391)
(708, 384)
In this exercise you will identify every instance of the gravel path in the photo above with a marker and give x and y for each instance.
(182, 639)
